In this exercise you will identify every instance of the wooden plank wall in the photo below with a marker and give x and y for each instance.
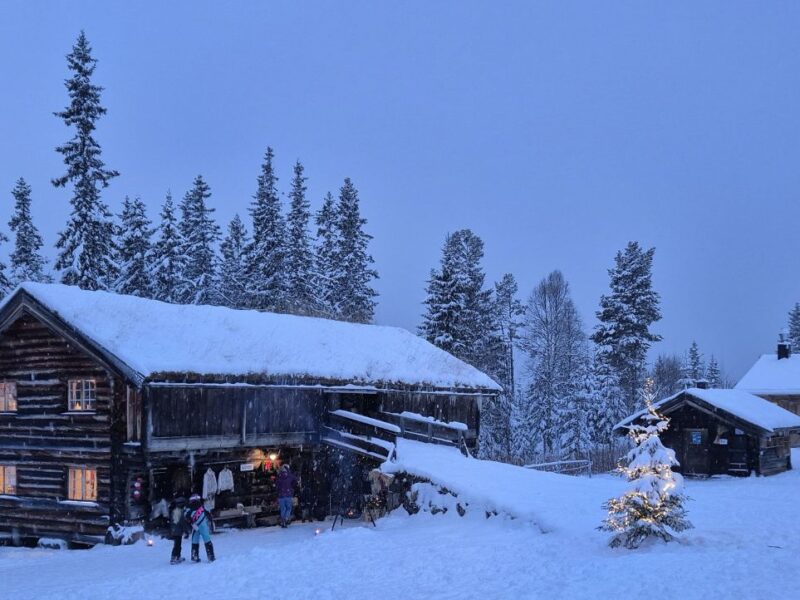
(44, 441)
(217, 411)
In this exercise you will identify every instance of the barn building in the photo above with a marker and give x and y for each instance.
(724, 431)
(776, 377)
(110, 405)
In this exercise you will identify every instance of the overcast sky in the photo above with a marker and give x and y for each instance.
(557, 131)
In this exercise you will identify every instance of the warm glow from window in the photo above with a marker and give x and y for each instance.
(82, 394)
(82, 484)
(8, 480)
(8, 396)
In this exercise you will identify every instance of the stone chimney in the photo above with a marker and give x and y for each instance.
(784, 345)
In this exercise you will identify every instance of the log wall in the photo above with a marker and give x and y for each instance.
(43, 439)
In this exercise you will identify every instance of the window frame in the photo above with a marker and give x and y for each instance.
(6, 405)
(87, 401)
(77, 483)
(5, 488)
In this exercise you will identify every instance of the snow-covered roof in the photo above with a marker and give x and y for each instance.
(738, 403)
(151, 337)
(771, 376)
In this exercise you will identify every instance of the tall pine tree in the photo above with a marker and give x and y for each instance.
(713, 374)
(496, 438)
(27, 263)
(267, 282)
(169, 261)
(325, 259)
(557, 361)
(232, 287)
(693, 369)
(794, 327)
(200, 234)
(299, 256)
(353, 274)
(134, 250)
(460, 312)
(86, 256)
(626, 315)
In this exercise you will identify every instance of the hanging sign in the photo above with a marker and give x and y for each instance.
(247, 467)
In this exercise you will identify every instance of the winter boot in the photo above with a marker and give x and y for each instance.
(210, 551)
(195, 552)
(176, 560)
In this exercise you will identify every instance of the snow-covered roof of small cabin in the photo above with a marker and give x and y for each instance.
(769, 375)
(152, 337)
(742, 405)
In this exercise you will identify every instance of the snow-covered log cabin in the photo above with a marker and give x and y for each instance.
(776, 377)
(723, 431)
(110, 405)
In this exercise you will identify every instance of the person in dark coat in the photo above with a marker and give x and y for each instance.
(306, 500)
(178, 527)
(286, 484)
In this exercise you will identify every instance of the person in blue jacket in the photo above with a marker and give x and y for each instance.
(201, 523)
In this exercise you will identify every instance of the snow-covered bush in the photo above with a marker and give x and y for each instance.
(653, 507)
(125, 534)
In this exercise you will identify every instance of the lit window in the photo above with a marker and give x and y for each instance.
(8, 480)
(82, 394)
(82, 484)
(8, 396)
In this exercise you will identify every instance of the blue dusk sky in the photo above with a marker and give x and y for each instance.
(558, 131)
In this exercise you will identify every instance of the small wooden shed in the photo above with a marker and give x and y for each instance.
(724, 431)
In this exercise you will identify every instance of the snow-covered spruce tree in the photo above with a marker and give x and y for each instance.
(353, 276)
(607, 403)
(794, 327)
(459, 316)
(713, 374)
(667, 373)
(654, 506)
(134, 250)
(168, 261)
(232, 284)
(496, 438)
(694, 369)
(5, 283)
(200, 234)
(86, 245)
(576, 419)
(557, 355)
(325, 258)
(625, 316)
(266, 271)
(299, 256)
(27, 263)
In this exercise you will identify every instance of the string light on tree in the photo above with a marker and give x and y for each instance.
(653, 507)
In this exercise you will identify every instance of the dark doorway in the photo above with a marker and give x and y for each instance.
(696, 457)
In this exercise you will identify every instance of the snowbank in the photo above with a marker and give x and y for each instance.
(155, 337)
(551, 501)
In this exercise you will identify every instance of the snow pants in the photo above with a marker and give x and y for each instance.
(285, 505)
(201, 532)
(176, 546)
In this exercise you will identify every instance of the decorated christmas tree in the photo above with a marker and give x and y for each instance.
(653, 507)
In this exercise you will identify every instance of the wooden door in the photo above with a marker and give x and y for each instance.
(696, 456)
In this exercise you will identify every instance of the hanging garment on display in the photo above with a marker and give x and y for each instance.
(225, 481)
(209, 484)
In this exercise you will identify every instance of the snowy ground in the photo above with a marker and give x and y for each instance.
(746, 544)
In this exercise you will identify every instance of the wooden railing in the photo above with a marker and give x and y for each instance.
(565, 467)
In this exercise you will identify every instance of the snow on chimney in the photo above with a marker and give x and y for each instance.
(784, 345)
